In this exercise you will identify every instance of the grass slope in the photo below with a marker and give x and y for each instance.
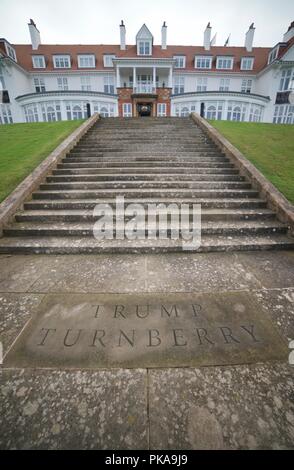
(270, 147)
(24, 146)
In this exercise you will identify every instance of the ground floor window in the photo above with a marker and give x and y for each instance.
(284, 114)
(127, 109)
(51, 111)
(5, 114)
(236, 111)
(213, 110)
(104, 109)
(161, 109)
(255, 113)
(31, 113)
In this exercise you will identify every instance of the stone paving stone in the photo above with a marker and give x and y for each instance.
(73, 410)
(279, 303)
(93, 273)
(15, 311)
(272, 269)
(198, 272)
(243, 407)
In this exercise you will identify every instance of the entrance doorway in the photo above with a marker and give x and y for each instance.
(144, 109)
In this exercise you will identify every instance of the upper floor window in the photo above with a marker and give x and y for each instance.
(108, 84)
(286, 82)
(62, 83)
(179, 85)
(62, 61)
(180, 61)
(203, 62)
(273, 55)
(246, 85)
(38, 62)
(224, 62)
(86, 61)
(2, 81)
(144, 47)
(224, 84)
(10, 52)
(107, 60)
(39, 84)
(247, 63)
(201, 84)
(86, 83)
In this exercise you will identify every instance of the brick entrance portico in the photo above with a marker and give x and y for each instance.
(126, 95)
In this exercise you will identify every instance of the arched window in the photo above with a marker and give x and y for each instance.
(211, 112)
(51, 116)
(236, 114)
(104, 111)
(30, 116)
(185, 112)
(77, 112)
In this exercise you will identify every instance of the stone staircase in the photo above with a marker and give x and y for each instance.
(147, 160)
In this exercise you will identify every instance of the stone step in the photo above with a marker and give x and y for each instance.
(158, 172)
(87, 245)
(143, 155)
(116, 166)
(142, 193)
(85, 229)
(75, 215)
(147, 161)
(88, 204)
(93, 185)
(157, 178)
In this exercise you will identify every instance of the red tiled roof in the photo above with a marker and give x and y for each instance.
(25, 52)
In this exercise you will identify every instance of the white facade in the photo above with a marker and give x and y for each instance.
(47, 83)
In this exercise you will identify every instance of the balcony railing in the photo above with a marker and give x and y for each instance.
(144, 88)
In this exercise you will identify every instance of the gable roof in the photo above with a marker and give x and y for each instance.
(144, 33)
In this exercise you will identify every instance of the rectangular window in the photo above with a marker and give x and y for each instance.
(180, 61)
(273, 55)
(107, 60)
(5, 114)
(179, 85)
(10, 52)
(108, 84)
(31, 113)
(61, 61)
(2, 82)
(203, 62)
(39, 84)
(86, 61)
(224, 63)
(86, 83)
(201, 84)
(62, 83)
(247, 63)
(246, 85)
(161, 109)
(224, 84)
(144, 48)
(39, 62)
(51, 111)
(287, 77)
(284, 114)
(127, 109)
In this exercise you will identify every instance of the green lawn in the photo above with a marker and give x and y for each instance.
(24, 146)
(270, 147)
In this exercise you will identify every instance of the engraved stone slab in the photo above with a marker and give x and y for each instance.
(163, 330)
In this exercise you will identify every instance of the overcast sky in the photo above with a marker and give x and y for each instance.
(96, 21)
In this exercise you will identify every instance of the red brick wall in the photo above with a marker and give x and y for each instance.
(125, 96)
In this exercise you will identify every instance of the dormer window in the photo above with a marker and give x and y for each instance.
(144, 41)
(38, 62)
(10, 52)
(203, 62)
(108, 60)
(144, 48)
(86, 61)
(273, 55)
(224, 63)
(247, 63)
(61, 62)
(180, 61)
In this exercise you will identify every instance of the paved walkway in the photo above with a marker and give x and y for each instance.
(173, 408)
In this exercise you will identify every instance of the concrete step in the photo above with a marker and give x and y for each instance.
(141, 178)
(77, 245)
(158, 172)
(148, 155)
(143, 193)
(154, 161)
(116, 166)
(90, 204)
(91, 185)
(75, 215)
(85, 229)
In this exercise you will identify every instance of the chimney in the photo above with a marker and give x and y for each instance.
(207, 35)
(122, 30)
(249, 38)
(163, 36)
(290, 33)
(35, 35)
